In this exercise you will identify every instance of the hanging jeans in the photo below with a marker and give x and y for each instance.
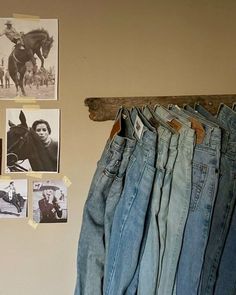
(91, 248)
(149, 263)
(178, 206)
(129, 218)
(205, 174)
(225, 199)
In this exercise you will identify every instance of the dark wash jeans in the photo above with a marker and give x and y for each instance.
(226, 281)
(225, 199)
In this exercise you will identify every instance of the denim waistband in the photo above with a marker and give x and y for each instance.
(227, 118)
(164, 134)
(187, 135)
(148, 137)
(212, 137)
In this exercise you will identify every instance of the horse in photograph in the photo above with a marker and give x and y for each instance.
(17, 200)
(24, 143)
(35, 42)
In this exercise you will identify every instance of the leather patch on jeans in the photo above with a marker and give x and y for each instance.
(116, 128)
(175, 124)
(200, 131)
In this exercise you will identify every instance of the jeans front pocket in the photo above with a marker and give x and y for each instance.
(199, 176)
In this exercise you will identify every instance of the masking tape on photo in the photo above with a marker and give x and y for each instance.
(31, 106)
(5, 177)
(25, 100)
(32, 223)
(35, 175)
(26, 16)
(67, 181)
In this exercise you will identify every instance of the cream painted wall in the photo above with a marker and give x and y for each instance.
(110, 48)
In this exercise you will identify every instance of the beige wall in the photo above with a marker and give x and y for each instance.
(111, 48)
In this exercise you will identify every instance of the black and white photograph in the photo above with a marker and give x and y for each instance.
(13, 198)
(32, 140)
(49, 201)
(28, 58)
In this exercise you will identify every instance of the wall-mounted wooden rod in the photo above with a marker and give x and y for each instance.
(105, 108)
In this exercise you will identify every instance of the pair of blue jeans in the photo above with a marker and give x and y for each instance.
(129, 218)
(91, 248)
(205, 174)
(148, 272)
(225, 199)
(178, 205)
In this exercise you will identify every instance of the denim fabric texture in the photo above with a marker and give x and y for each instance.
(129, 218)
(226, 281)
(225, 199)
(118, 183)
(160, 216)
(178, 206)
(91, 248)
(205, 174)
(150, 259)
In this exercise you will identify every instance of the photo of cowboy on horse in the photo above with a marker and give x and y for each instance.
(28, 63)
(13, 198)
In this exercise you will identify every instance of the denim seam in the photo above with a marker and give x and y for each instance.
(121, 232)
(218, 252)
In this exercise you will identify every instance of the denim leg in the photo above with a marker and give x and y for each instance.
(91, 251)
(205, 169)
(177, 213)
(164, 203)
(226, 281)
(129, 218)
(150, 259)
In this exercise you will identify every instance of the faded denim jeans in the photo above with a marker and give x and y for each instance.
(91, 248)
(129, 218)
(225, 199)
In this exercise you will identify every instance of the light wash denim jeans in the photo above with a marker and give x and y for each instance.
(164, 202)
(91, 248)
(118, 183)
(225, 199)
(150, 259)
(177, 208)
(205, 174)
(129, 218)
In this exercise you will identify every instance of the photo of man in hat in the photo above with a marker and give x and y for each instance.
(11, 33)
(48, 203)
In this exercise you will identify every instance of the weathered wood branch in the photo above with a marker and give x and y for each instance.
(105, 108)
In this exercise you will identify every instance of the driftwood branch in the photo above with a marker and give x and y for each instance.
(105, 108)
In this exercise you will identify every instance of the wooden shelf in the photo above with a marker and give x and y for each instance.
(105, 108)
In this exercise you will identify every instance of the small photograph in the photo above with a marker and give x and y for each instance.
(28, 58)
(13, 198)
(49, 201)
(32, 140)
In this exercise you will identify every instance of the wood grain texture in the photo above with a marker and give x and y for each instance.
(105, 108)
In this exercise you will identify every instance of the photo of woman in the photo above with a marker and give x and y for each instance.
(49, 201)
(32, 140)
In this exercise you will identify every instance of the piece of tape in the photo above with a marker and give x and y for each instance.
(32, 223)
(31, 106)
(29, 99)
(67, 181)
(5, 177)
(25, 16)
(35, 175)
